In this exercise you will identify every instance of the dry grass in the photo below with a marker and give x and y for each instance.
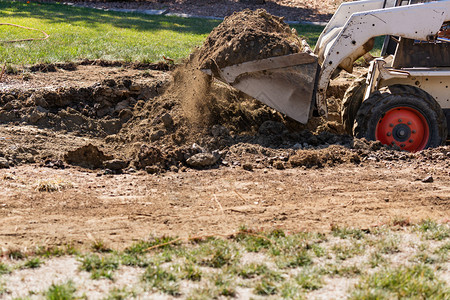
(53, 185)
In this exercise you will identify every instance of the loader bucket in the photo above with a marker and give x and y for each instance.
(285, 83)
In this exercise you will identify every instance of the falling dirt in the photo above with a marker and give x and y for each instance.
(248, 35)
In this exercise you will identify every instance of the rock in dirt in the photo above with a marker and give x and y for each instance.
(115, 164)
(247, 167)
(149, 156)
(248, 35)
(167, 120)
(428, 179)
(201, 160)
(88, 156)
(4, 164)
(152, 169)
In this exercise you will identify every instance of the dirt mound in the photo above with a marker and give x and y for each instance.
(248, 35)
(99, 109)
(88, 156)
(325, 157)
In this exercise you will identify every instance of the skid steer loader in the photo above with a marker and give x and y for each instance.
(405, 97)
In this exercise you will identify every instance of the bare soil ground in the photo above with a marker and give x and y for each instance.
(264, 178)
(124, 208)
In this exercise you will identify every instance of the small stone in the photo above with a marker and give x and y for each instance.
(115, 164)
(247, 167)
(167, 120)
(202, 160)
(4, 164)
(135, 88)
(279, 165)
(152, 169)
(122, 105)
(125, 114)
(174, 169)
(428, 179)
(155, 136)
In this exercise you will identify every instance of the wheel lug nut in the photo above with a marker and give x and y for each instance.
(400, 120)
(391, 125)
(409, 123)
(411, 141)
(388, 134)
(402, 145)
(414, 131)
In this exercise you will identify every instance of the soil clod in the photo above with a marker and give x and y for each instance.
(88, 156)
(248, 35)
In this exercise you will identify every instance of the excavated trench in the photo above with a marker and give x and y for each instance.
(119, 117)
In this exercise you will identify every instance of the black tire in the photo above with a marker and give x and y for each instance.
(403, 98)
(352, 101)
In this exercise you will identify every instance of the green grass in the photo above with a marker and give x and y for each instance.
(53, 251)
(82, 33)
(99, 266)
(416, 282)
(215, 253)
(119, 294)
(65, 291)
(32, 263)
(433, 231)
(162, 280)
(4, 269)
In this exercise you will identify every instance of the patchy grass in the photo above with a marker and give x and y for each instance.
(190, 272)
(345, 251)
(432, 230)
(119, 294)
(252, 270)
(4, 269)
(386, 264)
(15, 254)
(99, 267)
(345, 233)
(418, 282)
(309, 279)
(388, 245)
(341, 271)
(57, 251)
(142, 247)
(32, 263)
(216, 253)
(100, 247)
(266, 286)
(65, 291)
(162, 280)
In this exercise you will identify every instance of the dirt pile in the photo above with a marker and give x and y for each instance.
(99, 109)
(248, 35)
(88, 156)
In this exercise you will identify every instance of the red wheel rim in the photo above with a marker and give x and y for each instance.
(404, 126)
